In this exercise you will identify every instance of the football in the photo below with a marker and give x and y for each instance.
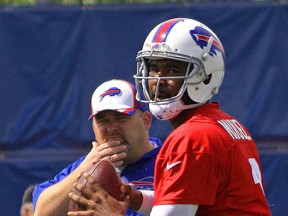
(106, 175)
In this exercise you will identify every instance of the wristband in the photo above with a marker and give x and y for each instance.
(147, 202)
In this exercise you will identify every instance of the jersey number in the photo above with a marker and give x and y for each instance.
(256, 174)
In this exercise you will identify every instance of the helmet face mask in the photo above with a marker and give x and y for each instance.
(143, 77)
(184, 40)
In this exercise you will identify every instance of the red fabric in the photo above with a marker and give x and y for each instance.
(211, 166)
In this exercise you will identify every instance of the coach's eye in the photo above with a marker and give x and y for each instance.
(122, 117)
(102, 121)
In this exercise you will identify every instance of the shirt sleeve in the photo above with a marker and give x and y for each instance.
(171, 210)
(147, 203)
(189, 168)
(59, 177)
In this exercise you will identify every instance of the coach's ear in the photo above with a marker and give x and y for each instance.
(147, 118)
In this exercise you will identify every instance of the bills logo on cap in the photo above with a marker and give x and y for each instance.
(201, 36)
(110, 92)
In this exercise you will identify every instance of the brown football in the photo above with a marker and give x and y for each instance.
(106, 175)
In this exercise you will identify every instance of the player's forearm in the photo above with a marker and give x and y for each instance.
(54, 200)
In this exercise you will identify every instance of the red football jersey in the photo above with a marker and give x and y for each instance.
(211, 160)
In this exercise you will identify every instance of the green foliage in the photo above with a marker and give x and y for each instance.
(18, 2)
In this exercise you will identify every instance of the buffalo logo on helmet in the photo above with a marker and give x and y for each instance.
(201, 36)
(110, 92)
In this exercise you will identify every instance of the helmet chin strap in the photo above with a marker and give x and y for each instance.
(171, 110)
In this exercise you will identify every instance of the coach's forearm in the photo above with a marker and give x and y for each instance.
(54, 200)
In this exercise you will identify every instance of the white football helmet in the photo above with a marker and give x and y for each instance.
(185, 40)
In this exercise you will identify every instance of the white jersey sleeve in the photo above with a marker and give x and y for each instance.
(174, 210)
(147, 203)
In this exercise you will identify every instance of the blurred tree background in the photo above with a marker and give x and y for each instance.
(91, 2)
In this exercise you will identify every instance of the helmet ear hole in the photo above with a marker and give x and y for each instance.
(207, 81)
